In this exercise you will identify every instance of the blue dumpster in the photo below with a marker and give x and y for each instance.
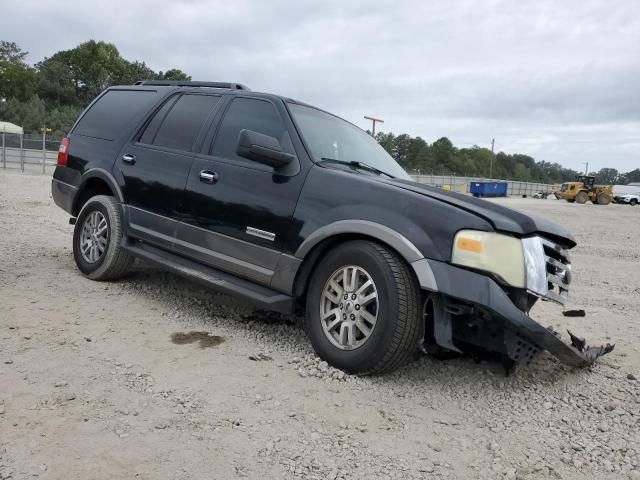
(489, 189)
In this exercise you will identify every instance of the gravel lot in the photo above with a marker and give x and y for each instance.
(94, 383)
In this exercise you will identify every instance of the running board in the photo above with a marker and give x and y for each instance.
(260, 296)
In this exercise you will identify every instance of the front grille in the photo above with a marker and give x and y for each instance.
(558, 265)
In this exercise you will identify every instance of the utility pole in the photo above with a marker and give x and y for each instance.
(373, 124)
(44, 146)
(586, 168)
(493, 157)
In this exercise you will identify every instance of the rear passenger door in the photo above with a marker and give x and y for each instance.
(240, 218)
(156, 163)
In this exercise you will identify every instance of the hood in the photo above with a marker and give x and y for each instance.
(502, 218)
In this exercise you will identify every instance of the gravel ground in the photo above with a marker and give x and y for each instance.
(97, 382)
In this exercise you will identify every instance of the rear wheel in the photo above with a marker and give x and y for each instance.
(582, 197)
(96, 240)
(363, 313)
(604, 198)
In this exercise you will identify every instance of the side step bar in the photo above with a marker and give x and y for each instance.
(260, 296)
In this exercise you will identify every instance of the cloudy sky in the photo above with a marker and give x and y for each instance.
(555, 79)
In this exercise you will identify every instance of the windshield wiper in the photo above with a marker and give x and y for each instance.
(360, 165)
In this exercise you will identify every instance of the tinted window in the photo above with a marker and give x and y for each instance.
(182, 124)
(251, 114)
(112, 113)
(152, 126)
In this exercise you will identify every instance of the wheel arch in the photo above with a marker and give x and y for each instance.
(332, 235)
(95, 182)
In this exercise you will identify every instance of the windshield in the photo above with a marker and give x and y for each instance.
(330, 137)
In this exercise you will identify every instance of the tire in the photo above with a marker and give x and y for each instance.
(633, 202)
(101, 214)
(394, 336)
(582, 197)
(604, 198)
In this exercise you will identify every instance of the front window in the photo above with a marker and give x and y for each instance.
(331, 138)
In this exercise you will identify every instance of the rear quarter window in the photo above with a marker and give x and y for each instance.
(113, 113)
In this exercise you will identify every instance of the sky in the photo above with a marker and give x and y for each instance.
(555, 79)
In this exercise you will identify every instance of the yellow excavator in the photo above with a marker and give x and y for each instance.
(584, 189)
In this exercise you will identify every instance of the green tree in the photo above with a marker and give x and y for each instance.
(56, 84)
(633, 176)
(608, 176)
(135, 71)
(12, 53)
(174, 74)
(17, 79)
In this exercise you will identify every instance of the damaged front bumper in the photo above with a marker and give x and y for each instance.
(515, 334)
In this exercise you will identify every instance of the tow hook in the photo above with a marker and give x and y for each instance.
(72, 220)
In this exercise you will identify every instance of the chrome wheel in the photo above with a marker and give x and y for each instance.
(349, 307)
(93, 240)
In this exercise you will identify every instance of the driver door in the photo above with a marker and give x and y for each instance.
(241, 210)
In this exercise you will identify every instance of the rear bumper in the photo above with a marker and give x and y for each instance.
(63, 195)
(480, 290)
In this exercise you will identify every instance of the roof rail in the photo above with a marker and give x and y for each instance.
(184, 83)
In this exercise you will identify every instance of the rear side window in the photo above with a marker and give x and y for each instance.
(112, 114)
(152, 126)
(180, 122)
(251, 114)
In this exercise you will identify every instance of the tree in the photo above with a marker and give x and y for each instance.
(135, 71)
(56, 84)
(17, 79)
(607, 176)
(633, 176)
(10, 52)
(174, 74)
(443, 151)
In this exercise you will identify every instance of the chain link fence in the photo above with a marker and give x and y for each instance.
(34, 151)
(462, 184)
(31, 151)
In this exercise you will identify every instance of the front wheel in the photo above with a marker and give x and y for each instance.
(96, 240)
(633, 202)
(363, 312)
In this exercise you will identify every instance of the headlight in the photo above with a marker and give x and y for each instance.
(499, 254)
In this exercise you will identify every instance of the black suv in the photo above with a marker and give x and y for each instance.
(284, 204)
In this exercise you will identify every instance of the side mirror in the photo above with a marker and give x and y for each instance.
(262, 148)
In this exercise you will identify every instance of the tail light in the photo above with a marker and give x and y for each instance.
(63, 152)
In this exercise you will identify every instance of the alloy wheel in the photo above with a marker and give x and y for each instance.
(94, 237)
(349, 307)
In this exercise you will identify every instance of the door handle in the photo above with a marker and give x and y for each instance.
(129, 158)
(207, 176)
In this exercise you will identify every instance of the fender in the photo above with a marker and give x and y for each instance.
(395, 240)
(92, 173)
(102, 174)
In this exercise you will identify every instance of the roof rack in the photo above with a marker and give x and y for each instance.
(181, 83)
